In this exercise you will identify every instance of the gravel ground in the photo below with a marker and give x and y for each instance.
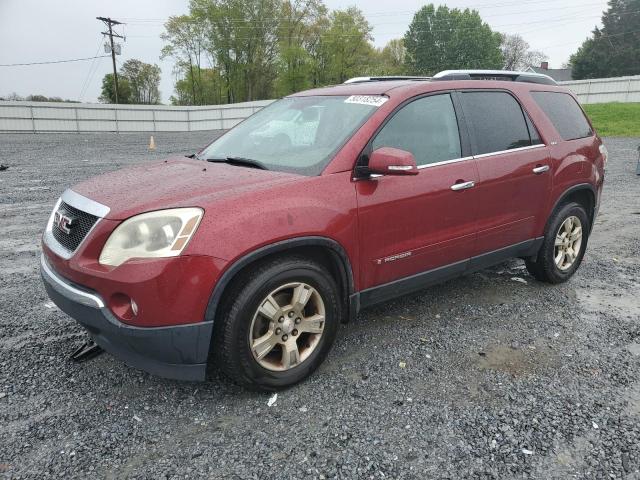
(482, 377)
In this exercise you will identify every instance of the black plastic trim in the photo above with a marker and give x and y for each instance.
(178, 352)
(577, 188)
(397, 288)
(334, 247)
(528, 248)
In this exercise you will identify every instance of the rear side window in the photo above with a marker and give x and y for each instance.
(426, 127)
(565, 114)
(497, 121)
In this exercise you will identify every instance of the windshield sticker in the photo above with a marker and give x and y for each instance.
(373, 100)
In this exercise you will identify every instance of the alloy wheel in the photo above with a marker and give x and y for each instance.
(568, 242)
(287, 326)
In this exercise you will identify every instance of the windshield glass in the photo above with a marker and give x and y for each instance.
(297, 134)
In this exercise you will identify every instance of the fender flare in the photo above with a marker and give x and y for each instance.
(571, 190)
(312, 241)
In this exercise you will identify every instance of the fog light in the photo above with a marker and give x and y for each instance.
(134, 307)
(123, 306)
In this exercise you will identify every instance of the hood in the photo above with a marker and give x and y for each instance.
(175, 182)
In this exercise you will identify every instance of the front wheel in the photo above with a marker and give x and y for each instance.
(564, 245)
(278, 325)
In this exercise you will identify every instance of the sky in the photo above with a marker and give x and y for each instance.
(48, 30)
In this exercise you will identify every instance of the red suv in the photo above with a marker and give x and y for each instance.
(253, 251)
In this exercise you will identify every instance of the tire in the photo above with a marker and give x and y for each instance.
(546, 267)
(240, 324)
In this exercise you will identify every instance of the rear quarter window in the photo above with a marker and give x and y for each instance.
(565, 114)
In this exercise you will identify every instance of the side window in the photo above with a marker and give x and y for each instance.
(564, 113)
(497, 121)
(426, 127)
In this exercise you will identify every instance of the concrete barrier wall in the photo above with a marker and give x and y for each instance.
(603, 90)
(81, 117)
(43, 117)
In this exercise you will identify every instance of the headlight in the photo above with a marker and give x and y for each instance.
(159, 234)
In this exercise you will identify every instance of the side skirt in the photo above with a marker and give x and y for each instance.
(404, 286)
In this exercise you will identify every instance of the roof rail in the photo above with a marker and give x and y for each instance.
(507, 75)
(384, 79)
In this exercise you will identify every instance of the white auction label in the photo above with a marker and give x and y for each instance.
(373, 100)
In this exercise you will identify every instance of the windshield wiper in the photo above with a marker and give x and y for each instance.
(246, 162)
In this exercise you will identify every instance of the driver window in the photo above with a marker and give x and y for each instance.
(426, 127)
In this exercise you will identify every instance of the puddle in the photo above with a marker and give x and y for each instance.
(623, 302)
(633, 397)
(516, 361)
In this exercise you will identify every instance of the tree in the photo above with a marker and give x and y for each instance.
(347, 45)
(614, 50)
(138, 82)
(390, 60)
(144, 81)
(14, 97)
(297, 35)
(516, 53)
(317, 52)
(44, 98)
(185, 37)
(210, 85)
(242, 44)
(442, 39)
(108, 94)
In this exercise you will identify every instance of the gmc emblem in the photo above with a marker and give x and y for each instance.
(63, 222)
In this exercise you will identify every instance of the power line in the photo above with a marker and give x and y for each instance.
(477, 6)
(517, 3)
(553, 23)
(54, 61)
(600, 37)
(89, 77)
(567, 18)
(501, 14)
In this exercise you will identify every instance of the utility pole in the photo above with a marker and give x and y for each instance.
(109, 23)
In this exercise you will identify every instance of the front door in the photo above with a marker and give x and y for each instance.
(513, 167)
(413, 224)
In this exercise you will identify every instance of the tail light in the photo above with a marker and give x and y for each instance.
(605, 155)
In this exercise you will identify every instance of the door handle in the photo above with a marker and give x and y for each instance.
(541, 169)
(462, 186)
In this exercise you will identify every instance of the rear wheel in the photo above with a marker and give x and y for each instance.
(278, 325)
(564, 245)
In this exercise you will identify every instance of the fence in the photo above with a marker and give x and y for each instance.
(38, 117)
(601, 90)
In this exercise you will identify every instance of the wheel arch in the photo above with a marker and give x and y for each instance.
(323, 249)
(583, 194)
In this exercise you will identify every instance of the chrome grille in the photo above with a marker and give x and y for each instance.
(82, 223)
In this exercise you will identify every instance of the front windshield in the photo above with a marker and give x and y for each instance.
(296, 134)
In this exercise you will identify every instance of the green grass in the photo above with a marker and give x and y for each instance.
(615, 119)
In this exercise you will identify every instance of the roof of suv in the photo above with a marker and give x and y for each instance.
(395, 86)
(363, 88)
(407, 88)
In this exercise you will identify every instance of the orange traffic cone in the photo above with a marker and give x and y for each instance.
(152, 143)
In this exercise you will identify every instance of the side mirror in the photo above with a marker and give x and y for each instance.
(392, 161)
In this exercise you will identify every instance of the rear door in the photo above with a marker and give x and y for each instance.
(411, 224)
(513, 167)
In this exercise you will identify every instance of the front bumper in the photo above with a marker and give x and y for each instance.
(177, 352)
